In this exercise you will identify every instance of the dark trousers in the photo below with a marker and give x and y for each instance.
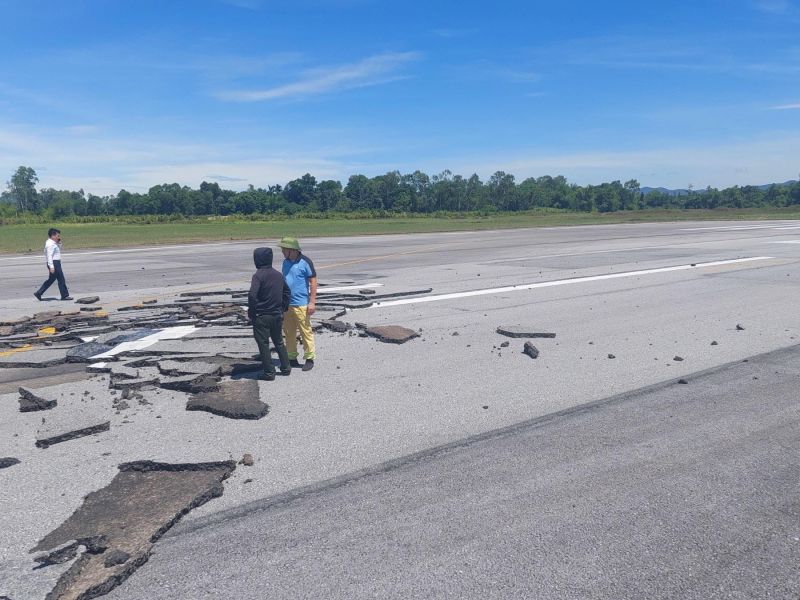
(264, 328)
(59, 276)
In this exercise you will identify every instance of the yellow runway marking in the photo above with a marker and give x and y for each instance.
(24, 348)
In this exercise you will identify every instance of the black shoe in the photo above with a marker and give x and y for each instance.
(269, 377)
(293, 363)
(68, 298)
(286, 372)
(309, 365)
(38, 296)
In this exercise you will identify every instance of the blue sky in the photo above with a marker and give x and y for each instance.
(111, 94)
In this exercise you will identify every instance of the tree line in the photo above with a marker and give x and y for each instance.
(386, 194)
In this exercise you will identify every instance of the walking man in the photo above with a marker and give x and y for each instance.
(52, 253)
(267, 300)
(302, 281)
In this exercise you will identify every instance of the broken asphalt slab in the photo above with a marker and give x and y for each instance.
(125, 519)
(30, 402)
(8, 461)
(84, 352)
(391, 334)
(35, 358)
(50, 435)
(235, 399)
(518, 331)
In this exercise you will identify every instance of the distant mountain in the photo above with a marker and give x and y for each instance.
(663, 190)
(766, 186)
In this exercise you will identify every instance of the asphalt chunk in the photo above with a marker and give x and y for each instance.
(143, 501)
(337, 326)
(530, 350)
(84, 352)
(236, 399)
(88, 300)
(8, 461)
(517, 331)
(392, 334)
(30, 402)
(57, 433)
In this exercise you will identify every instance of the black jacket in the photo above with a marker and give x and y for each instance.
(269, 294)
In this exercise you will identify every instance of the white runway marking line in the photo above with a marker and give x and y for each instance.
(557, 282)
(782, 225)
(568, 254)
(786, 242)
(170, 333)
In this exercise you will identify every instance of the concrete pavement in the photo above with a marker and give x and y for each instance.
(678, 491)
(367, 402)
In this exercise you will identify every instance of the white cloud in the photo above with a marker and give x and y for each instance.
(370, 71)
(776, 7)
(786, 107)
(102, 164)
(446, 32)
(82, 129)
(747, 162)
(248, 4)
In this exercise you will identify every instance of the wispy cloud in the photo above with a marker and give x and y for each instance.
(786, 107)
(775, 7)
(82, 129)
(225, 178)
(102, 162)
(248, 4)
(157, 58)
(745, 162)
(487, 70)
(450, 33)
(374, 70)
(713, 54)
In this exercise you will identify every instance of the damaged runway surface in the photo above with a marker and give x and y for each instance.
(485, 331)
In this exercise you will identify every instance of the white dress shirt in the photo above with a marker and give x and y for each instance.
(52, 251)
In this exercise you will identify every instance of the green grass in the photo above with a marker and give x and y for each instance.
(30, 238)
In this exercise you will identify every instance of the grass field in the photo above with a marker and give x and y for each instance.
(30, 238)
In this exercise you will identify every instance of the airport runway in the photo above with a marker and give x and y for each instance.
(632, 306)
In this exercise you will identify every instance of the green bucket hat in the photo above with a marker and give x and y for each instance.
(289, 242)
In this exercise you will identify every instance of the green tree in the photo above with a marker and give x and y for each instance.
(22, 186)
(302, 192)
(503, 191)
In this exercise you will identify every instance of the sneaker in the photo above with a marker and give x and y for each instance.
(308, 365)
(293, 363)
(269, 377)
(286, 372)
(68, 298)
(38, 296)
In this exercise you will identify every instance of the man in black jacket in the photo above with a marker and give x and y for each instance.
(267, 301)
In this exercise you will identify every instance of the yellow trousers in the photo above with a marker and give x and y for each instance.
(293, 319)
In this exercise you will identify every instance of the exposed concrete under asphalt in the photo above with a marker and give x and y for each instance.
(367, 402)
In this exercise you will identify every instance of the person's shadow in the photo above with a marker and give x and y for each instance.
(256, 372)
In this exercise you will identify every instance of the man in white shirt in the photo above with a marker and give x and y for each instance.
(52, 253)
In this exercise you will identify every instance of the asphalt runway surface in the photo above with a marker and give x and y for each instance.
(680, 491)
(632, 306)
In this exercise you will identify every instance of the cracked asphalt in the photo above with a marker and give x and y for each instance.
(366, 403)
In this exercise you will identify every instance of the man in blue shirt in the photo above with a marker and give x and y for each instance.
(301, 277)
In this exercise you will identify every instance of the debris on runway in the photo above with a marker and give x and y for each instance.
(118, 525)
